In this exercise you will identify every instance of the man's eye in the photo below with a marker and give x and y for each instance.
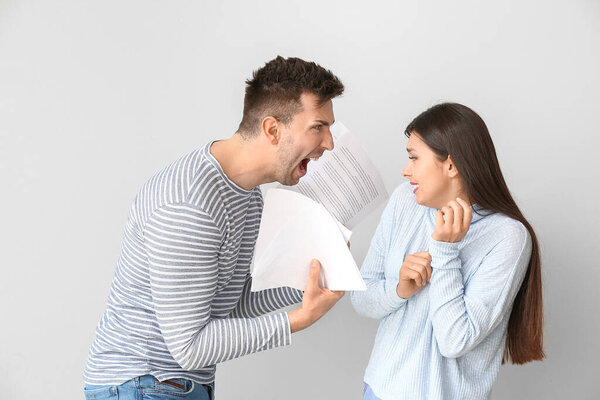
(318, 127)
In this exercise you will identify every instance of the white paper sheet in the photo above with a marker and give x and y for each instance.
(293, 230)
(344, 180)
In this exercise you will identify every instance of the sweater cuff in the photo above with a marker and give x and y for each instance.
(443, 253)
(284, 322)
(394, 300)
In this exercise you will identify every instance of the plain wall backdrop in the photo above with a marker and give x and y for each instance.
(96, 96)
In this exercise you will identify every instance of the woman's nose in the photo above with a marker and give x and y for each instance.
(406, 172)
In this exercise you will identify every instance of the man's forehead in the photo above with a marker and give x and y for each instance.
(310, 100)
(323, 110)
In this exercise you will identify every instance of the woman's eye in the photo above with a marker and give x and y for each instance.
(412, 158)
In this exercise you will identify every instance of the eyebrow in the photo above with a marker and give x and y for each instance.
(322, 122)
(409, 150)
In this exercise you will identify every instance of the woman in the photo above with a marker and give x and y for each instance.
(453, 271)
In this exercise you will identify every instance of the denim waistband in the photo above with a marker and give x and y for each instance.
(144, 381)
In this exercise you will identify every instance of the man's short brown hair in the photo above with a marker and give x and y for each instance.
(275, 90)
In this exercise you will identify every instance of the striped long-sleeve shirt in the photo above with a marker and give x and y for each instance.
(180, 301)
(446, 342)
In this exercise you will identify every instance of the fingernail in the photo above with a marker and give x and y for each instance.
(314, 263)
(459, 199)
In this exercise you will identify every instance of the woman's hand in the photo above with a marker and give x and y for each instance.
(415, 272)
(452, 221)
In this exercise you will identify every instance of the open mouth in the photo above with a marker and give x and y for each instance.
(303, 167)
(416, 187)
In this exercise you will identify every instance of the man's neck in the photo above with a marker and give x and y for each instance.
(244, 161)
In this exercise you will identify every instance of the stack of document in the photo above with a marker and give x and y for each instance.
(314, 220)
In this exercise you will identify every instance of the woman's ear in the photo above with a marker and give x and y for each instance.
(450, 167)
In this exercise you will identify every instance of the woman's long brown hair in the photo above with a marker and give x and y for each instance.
(456, 130)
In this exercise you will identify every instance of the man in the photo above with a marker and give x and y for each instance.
(180, 301)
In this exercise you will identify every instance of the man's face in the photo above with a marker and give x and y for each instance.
(306, 137)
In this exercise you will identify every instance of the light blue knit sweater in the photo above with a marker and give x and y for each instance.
(447, 341)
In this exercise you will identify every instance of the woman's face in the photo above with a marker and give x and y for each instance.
(432, 184)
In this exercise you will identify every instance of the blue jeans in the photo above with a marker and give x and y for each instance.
(147, 388)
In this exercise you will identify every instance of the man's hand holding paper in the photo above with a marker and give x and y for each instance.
(315, 302)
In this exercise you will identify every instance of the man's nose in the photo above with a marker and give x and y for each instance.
(328, 141)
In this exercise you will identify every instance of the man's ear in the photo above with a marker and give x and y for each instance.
(450, 167)
(270, 129)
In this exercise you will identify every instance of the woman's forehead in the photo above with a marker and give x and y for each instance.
(415, 142)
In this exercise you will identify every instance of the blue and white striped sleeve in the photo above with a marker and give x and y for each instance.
(182, 243)
(463, 316)
(380, 299)
(254, 304)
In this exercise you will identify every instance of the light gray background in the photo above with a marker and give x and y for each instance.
(96, 96)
